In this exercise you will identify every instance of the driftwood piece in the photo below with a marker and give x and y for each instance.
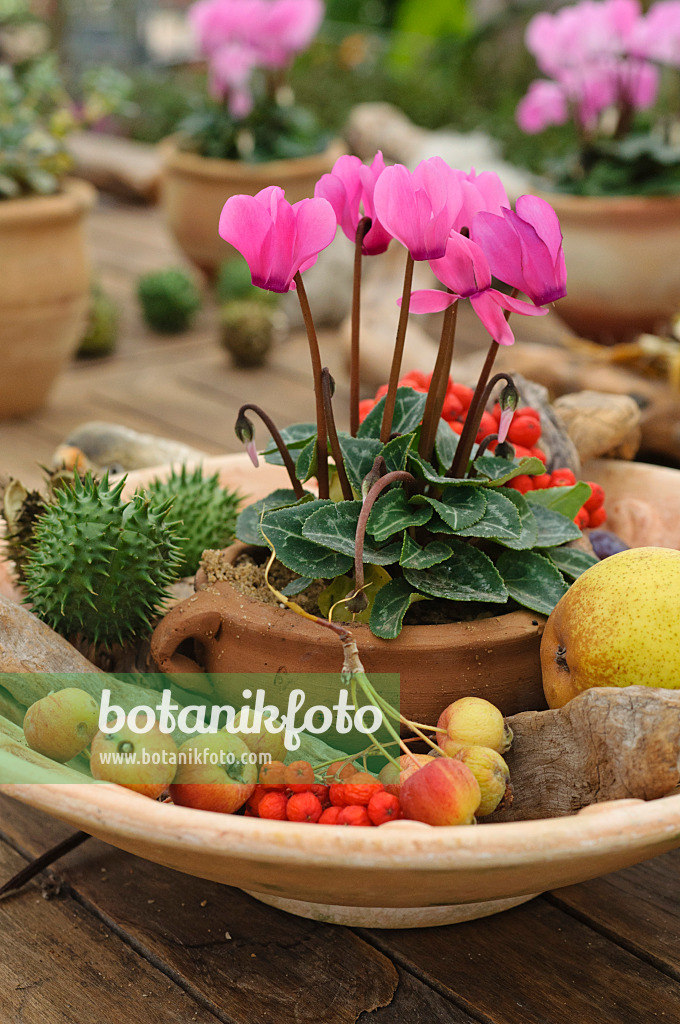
(601, 424)
(606, 744)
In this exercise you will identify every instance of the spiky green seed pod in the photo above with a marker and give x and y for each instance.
(100, 567)
(20, 510)
(205, 513)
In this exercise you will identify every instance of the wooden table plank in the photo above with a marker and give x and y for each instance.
(638, 907)
(535, 965)
(60, 965)
(245, 960)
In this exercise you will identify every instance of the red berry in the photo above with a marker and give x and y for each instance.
(521, 452)
(538, 453)
(541, 481)
(596, 499)
(597, 517)
(460, 391)
(303, 807)
(521, 483)
(582, 519)
(321, 793)
(456, 426)
(353, 815)
(339, 770)
(330, 816)
(299, 776)
(365, 407)
(562, 478)
(273, 774)
(527, 412)
(487, 425)
(452, 407)
(381, 392)
(359, 788)
(383, 807)
(525, 430)
(417, 380)
(273, 805)
(256, 798)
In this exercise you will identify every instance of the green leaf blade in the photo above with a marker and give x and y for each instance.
(469, 575)
(248, 522)
(532, 580)
(408, 412)
(284, 529)
(389, 608)
(393, 513)
(572, 562)
(334, 525)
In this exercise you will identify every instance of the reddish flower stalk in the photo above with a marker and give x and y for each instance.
(321, 446)
(474, 416)
(369, 501)
(391, 396)
(437, 391)
(363, 228)
(242, 422)
(327, 387)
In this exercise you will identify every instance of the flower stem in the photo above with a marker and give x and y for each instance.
(333, 435)
(391, 396)
(369, 501)
(278, 441)
(363, 227)
(321, 446)
(437, 390)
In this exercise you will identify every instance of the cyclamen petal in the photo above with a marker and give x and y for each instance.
(430, 300)
(419, 208)
(492, 316)
(275, 238)
(349, 188)
(464, 267)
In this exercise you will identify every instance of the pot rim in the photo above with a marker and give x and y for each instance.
(75, 199)
(441, 635)
(567, 202)
(215, 168)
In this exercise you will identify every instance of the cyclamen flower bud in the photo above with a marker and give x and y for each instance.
(508, 402)
(245, 432)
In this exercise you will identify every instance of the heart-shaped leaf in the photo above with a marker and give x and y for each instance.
(391, 604)
(458, 507)
(248, 522)
(469, 575)
(527, 538)
(296, 586)
(500, 521)
(335, 525)
(532, 580)
(408, 412)
(567, 500)
(445, 444)
(415, 557)
(295, 437)
(571, 561)
(306, 462)
(498, 471)
(396, 451)
(284, 527)
(358, 455)
(394, 513)
(553, 527)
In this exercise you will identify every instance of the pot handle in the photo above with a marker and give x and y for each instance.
(188, 620)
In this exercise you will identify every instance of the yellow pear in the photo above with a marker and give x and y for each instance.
(618, 625)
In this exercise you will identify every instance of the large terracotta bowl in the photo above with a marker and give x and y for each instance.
(400, 875)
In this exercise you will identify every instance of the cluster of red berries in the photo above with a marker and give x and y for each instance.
(524, 435)
(291, 793)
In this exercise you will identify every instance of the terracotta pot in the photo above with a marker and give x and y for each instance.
(496, 658)
(195, 188)
(622, 256)
(44, 291)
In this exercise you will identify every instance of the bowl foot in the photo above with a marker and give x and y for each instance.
(390, 917)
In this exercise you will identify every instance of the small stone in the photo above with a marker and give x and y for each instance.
(601, 425)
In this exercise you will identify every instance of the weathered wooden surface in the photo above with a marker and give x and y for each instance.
(606, 744)
(126, 941)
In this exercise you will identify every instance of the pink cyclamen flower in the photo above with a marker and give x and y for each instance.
(465, 271)
(524, 248)
(276, 238)
(349, 189)
(289, 28)
(544, 104)
(483, 191)
(419, 208)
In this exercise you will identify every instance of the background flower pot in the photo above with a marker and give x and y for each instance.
(44, 291)
(622, 255)
(195, 188)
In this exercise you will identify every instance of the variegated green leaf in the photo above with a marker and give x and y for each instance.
(284, 530)
(469, 575)
(335, 525)
(415, 557)
(394, 513)
(532, 580)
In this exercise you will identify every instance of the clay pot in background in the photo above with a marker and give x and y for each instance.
(622, 255)
(195, 188)
(44, 291)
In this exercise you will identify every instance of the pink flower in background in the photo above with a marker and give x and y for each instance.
(657, 35)
(240, 36)
(524, 248)
(419, 208)
(544, 104)
(275, 238)
(483, 191)
(349, 189)
(464, 269)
